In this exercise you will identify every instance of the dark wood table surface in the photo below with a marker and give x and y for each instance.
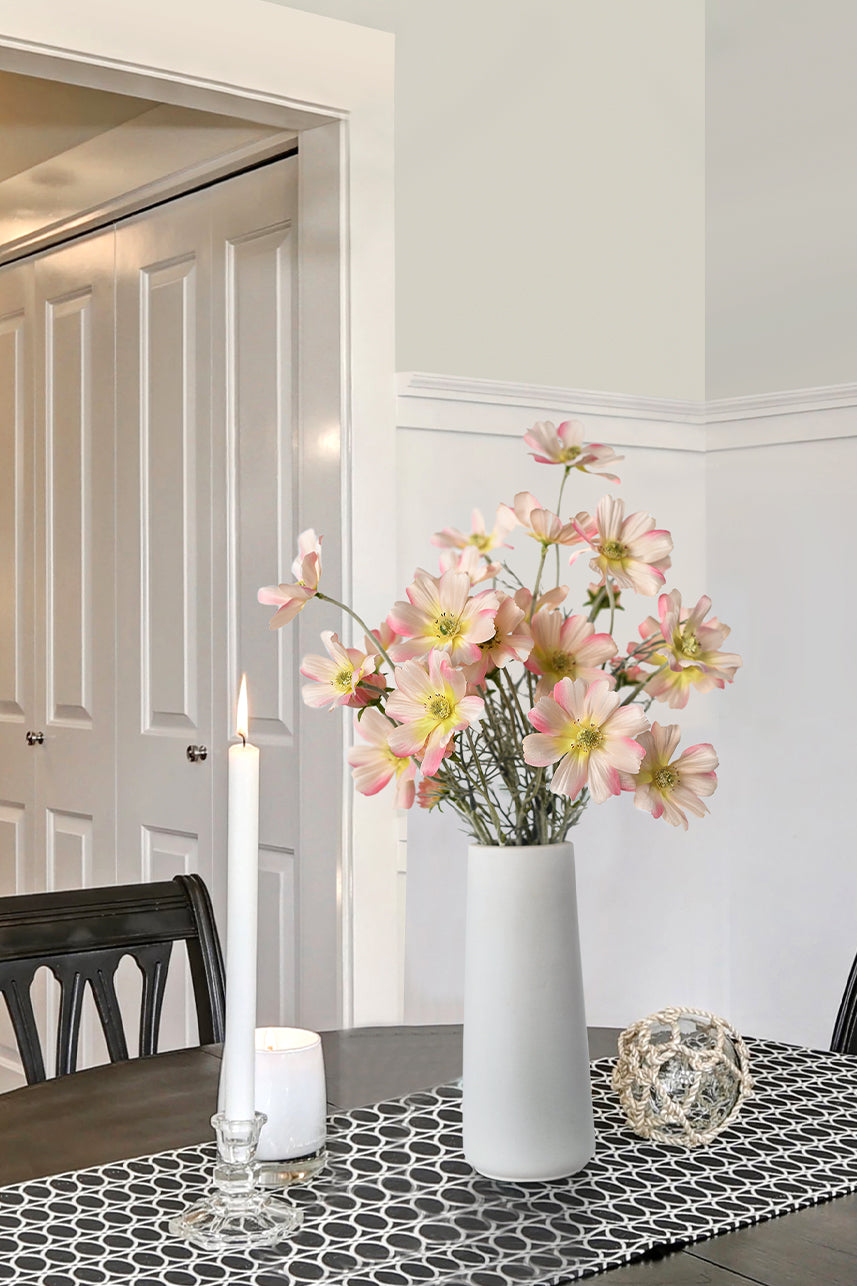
(149, 1105)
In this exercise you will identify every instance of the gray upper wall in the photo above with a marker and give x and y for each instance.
(652, 197)
(781, 195)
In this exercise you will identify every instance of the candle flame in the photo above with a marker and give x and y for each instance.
(242, 723)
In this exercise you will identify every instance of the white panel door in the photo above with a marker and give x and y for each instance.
(255, 425)
(74, 560)
(17, 687)
(73, 618)
(163, 493)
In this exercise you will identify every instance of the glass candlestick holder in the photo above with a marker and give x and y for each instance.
(236, 1213)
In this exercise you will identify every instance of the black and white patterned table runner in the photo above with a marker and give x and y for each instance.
(399, 1205)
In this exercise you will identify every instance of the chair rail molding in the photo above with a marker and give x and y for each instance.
(451, 403)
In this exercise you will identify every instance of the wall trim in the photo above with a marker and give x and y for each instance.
(826, 397)
(454, 388)
(445, 403)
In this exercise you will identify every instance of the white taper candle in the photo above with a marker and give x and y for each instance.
(239, 1055)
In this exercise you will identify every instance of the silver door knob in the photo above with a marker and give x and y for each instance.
(35, 738)
(195, 753)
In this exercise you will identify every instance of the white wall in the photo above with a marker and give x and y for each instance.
(781, 194)
(780, 530)
(549, 189)
(753, 912)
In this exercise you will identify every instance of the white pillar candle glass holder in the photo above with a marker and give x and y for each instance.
(291, 1091)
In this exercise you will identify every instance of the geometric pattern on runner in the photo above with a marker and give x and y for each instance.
(398, 1204)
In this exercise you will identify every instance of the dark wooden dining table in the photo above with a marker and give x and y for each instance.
(149, 1105)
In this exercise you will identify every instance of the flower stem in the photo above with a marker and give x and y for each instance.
(538, 581)
(514, 691)
(565, 474)
(492, 810)
(638, 687)
(612, 600)
(597, 605)
(326, 598)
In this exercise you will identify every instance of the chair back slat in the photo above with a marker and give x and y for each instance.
(101, 974)
(15, 987)
(72, 989)
(154, 963)
(81, 935)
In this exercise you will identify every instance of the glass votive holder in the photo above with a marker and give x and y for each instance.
(291, 1091)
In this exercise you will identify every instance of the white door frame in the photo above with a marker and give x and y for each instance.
(333, 82)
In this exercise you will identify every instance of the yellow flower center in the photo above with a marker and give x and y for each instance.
(342, 680)
(569, 453)
(489, 643)
(481, 540)
(687, 643)
(614, 549)
(665, 779)
(439, 706)
(562, 663)
(588, 739)
(446, 625)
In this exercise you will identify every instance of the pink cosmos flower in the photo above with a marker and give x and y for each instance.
(291, 599)
(630, 550)
(541, 524)
(431, 705)
(563, 444)
(375, 764)
(552, 599)
(686, 642)
(337, 675)
(483, 541)
(441, 615)
(590, 733)
(471, 561)
(691, 640)
(430, 792)
(567, 647)
(511, 641)
(664, 786)
(675, 686)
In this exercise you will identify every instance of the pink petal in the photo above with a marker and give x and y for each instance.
(570, 774)
(604, 780)
(541, 750)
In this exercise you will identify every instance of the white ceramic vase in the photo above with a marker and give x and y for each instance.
(527, 1101)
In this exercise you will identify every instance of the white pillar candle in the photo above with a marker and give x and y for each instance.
(238, 1096)
(290, 1090)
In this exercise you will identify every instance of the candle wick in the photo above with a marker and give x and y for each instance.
(243, 739)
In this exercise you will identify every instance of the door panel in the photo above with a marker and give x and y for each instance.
(163, 482)
(15, 501)
(74, 609)
(18, 872)
(276, 983)
(255, 426)
(170, 558)
(69, 660)
(260, 450)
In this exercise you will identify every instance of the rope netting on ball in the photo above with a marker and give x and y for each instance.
(681, 1075)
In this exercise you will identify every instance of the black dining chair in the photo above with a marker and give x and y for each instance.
(81, 935)
(845, 1032)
